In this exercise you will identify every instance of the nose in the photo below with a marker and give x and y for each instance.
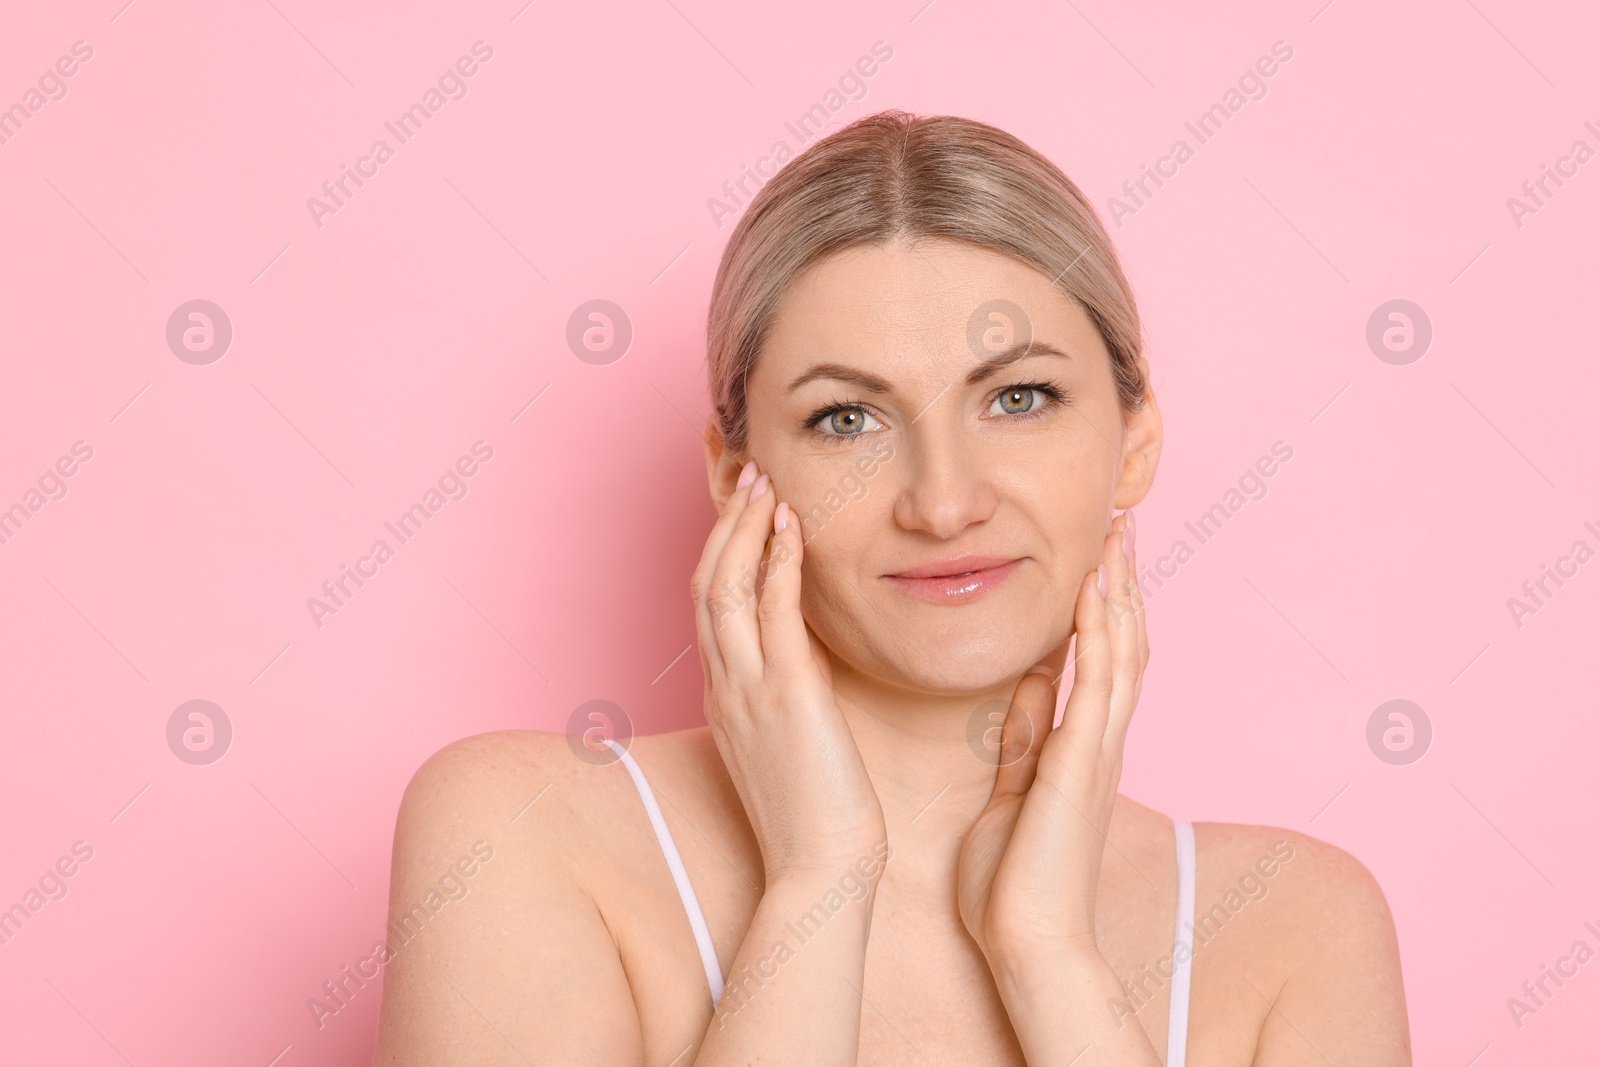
(947, 480)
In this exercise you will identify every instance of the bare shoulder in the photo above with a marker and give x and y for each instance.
(1318, 945)
(494, 941)
(1317, 891)
(498, 778)
(476, 770)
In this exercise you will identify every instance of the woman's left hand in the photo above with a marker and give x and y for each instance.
(1029, 868)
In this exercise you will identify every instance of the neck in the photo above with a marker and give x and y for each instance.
(928, 758)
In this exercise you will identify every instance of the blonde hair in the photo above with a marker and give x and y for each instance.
(897, 176)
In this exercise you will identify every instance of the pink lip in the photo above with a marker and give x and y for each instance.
(955, 581)
(951, 565)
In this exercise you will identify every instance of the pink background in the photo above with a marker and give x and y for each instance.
(368, 354)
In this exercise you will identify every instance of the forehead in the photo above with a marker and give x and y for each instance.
(908, 308)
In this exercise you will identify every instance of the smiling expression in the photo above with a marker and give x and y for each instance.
(955, 472)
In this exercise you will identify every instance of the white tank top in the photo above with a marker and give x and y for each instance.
(1183, 948)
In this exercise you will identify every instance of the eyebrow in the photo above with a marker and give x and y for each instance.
(989, 367)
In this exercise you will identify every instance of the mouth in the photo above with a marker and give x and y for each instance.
(954, 581)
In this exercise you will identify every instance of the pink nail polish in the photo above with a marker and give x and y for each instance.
(747, 475)
(780, 518)
(760, 487)
(1102, 581)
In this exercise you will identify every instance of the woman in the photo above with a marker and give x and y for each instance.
(929, 404)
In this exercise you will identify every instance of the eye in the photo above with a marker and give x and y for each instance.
(1021, 399)
(841, 420)
(1015, 401)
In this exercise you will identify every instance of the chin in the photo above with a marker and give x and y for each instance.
(973, 660)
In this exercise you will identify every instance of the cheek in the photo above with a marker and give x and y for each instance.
(840, 512)
(1067, 500)
(824, 577)
(829, 600)
(1049, 606)
(1071, 535)
(828, 512)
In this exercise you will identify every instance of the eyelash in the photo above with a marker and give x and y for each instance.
(1057, 395)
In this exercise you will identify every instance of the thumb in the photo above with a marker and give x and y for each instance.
(1028, 722)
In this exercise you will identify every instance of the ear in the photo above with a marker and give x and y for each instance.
(1141, 448)
(722, 467)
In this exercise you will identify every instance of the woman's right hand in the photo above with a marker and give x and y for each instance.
(769, 694)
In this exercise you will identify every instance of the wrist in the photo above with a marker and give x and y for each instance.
(807, 903)
(1060, 996)
(864, 866)
(1021, 969)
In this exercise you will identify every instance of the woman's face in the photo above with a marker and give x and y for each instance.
(885, 410)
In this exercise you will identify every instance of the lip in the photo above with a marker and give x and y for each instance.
(953, 565)
(956, 580)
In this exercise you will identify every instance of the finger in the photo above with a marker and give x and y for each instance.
(734, 578)
(1027, 725)
(1072, 748)
(1124, 635)
(785, 644)
(708, 601)
(1118, 729)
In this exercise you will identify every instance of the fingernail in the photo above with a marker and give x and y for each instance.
(760, 487)
(747, 475)
(1127, 536)
(1102, 581)
(780, 518)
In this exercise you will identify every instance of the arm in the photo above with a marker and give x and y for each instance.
(514, 964)
(792, 994)
(1057, 1004)
(1029, 868)
(521, 968)
(1327, 985)
(1342, 1000)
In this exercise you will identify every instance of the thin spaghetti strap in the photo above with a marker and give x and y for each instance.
(1182, 946)
(680, 876)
